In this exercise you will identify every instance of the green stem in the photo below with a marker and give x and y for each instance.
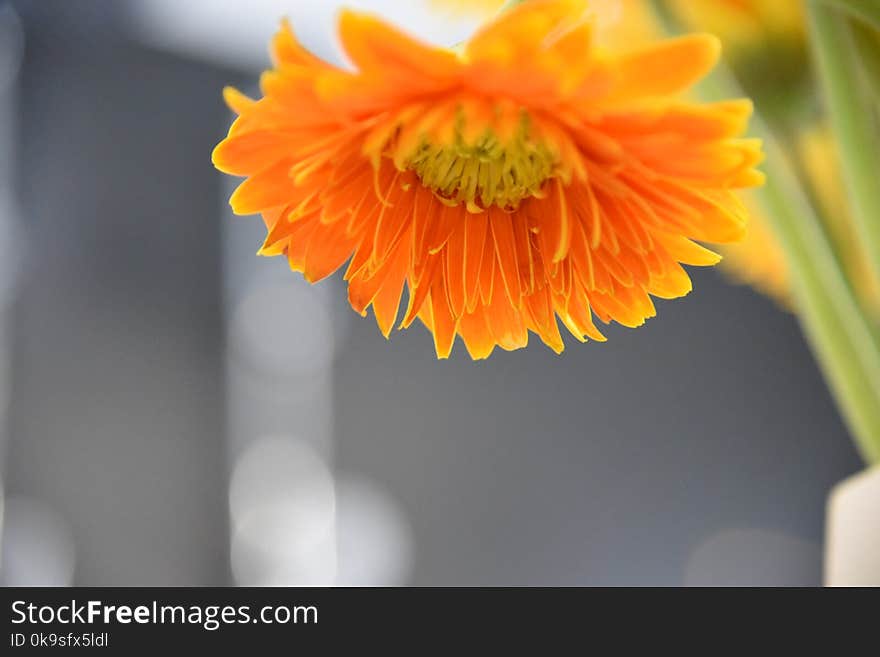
(867, 11)
(867, 44)
(832, 320)
(855, 125)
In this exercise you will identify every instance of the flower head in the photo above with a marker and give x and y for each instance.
(524, 177)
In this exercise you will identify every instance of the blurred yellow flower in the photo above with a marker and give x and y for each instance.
(759, 261)
(744, 24)
(622, 22)
(740, 24)
(765, 45)
(480, 8)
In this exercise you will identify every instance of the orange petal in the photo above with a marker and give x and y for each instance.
(375, 46)
(386, 303)
(663, 68)
(287, 51)
(264, 190)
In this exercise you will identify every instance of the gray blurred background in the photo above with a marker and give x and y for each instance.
(181, 412)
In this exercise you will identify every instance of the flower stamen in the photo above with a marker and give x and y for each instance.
(487, 171)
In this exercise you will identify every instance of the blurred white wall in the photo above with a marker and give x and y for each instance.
(235, 34)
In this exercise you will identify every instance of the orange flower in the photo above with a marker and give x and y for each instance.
(525, 177)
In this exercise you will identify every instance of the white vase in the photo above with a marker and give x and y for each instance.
(852, 545)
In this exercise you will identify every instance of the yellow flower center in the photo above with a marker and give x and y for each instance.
(486, 171)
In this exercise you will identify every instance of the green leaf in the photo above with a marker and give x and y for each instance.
(867, 44)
